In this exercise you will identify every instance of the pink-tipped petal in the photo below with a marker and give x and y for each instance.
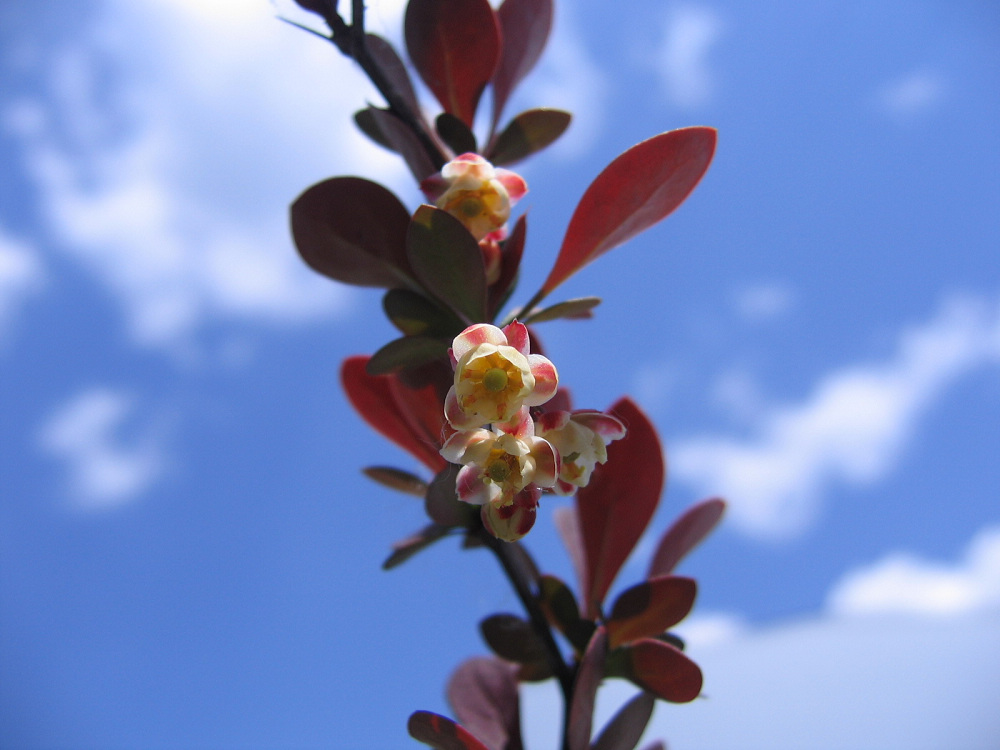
(456, 416)
(562, 487)
(552, 420)
(513, 182)
(474, 335)
(520, 425)
(470, 487)
(546, 380)
(457, 446)
(547, 463)
(517, 337)
(608, 427)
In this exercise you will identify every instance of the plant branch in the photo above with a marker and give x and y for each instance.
(563, 672)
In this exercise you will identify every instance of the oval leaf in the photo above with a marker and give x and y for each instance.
(405, 142)
(513, 638)
(455, 134)
(397, 479)
(528, 133)
(616, 506)
(354, 231)
(408, 351)
(414, 314)
(455, 46)
(366, 123)
(685, 534)
(625, 730)
(662, 670)
(483, 694)
(559, 606)
(635, 191)
(648, 609)
(573, 309)
(447, 260)
(441, 732)
(393, 67)
(525, 25)
(588, 678)
(408, 417)
(404, 549)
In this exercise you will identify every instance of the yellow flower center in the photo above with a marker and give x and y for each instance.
(470, 207)
(495, 379)
(498, 471)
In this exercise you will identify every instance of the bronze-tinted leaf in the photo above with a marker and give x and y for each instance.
(404, 549)
(414, 314)
(397, 479)
(483, 694)
(528, 133)
(648, 609)
(662, 670)
(559, 606)
(588, 678)
(455, 133)
(616, 506)
(625, 729)
(354, 231)
(407, 351)
(441, 732)
(455, 47)
(447, 260)
(513, 638)
(573, 309)
(635, 191)
(442, 503)
(525, 25)
(685, 534)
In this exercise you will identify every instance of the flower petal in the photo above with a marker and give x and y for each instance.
(457, 448)
(515, 184)
(457, 416)
(547, 462)
(474, 335)
(470, 487)
(546, 380)
(517, 336)
(608, 427)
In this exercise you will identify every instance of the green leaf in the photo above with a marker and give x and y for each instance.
(573, 309)
(447, 260)
(408, 351)
(397, 479)
(528, 133)
(455, 134)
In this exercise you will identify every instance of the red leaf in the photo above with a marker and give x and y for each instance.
(648, 609)
(483, 694)
(663, 670)
(685, 534)
(588, 678)
(568, 525)
(625, 730)
(411, 418)
(526, 25)
(441, 733)
(354, 231)
(455, 46)
(615, 508)
(638, 189)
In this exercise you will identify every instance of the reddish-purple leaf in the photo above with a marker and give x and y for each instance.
(397, 479)
(483, 694)
(656, 745)
(394, 69)
(616, 506)
(455, 46)
(527, 134)
(411, 418)
(635, 191)
(510, 262)
(625, 729)
(441, 733)
(560, 607)
(513, 638)
(447, 261)
(648, 609)
(572, 309)
(526, 25)
(456, 134)
(404, 549)
(685, 534)
(588, 679)
(568, 525)
(403, 140)
(442, 503)
(407, 351)
(354, 231)
(663, 670)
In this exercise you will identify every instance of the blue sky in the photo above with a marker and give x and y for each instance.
(188, 552)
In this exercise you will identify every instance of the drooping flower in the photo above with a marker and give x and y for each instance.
(495, 375)
(476, 193)
(498, 464)
(511, 522)
(582, 438)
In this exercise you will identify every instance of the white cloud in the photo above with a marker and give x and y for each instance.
(20, 276)
(108, 461)
(913, 93)
(173, 138)
(828, 684)
(764, 301)
(689, 35)
(904, 583)
(851, 429)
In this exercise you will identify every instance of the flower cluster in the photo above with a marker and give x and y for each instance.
(508, 457)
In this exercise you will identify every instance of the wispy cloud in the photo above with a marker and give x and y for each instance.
(689, 34)
(764, 301)
(851, 429)
(913, 93)
(21, 276)
(905, 583)
(109, 459)
(168, 147)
